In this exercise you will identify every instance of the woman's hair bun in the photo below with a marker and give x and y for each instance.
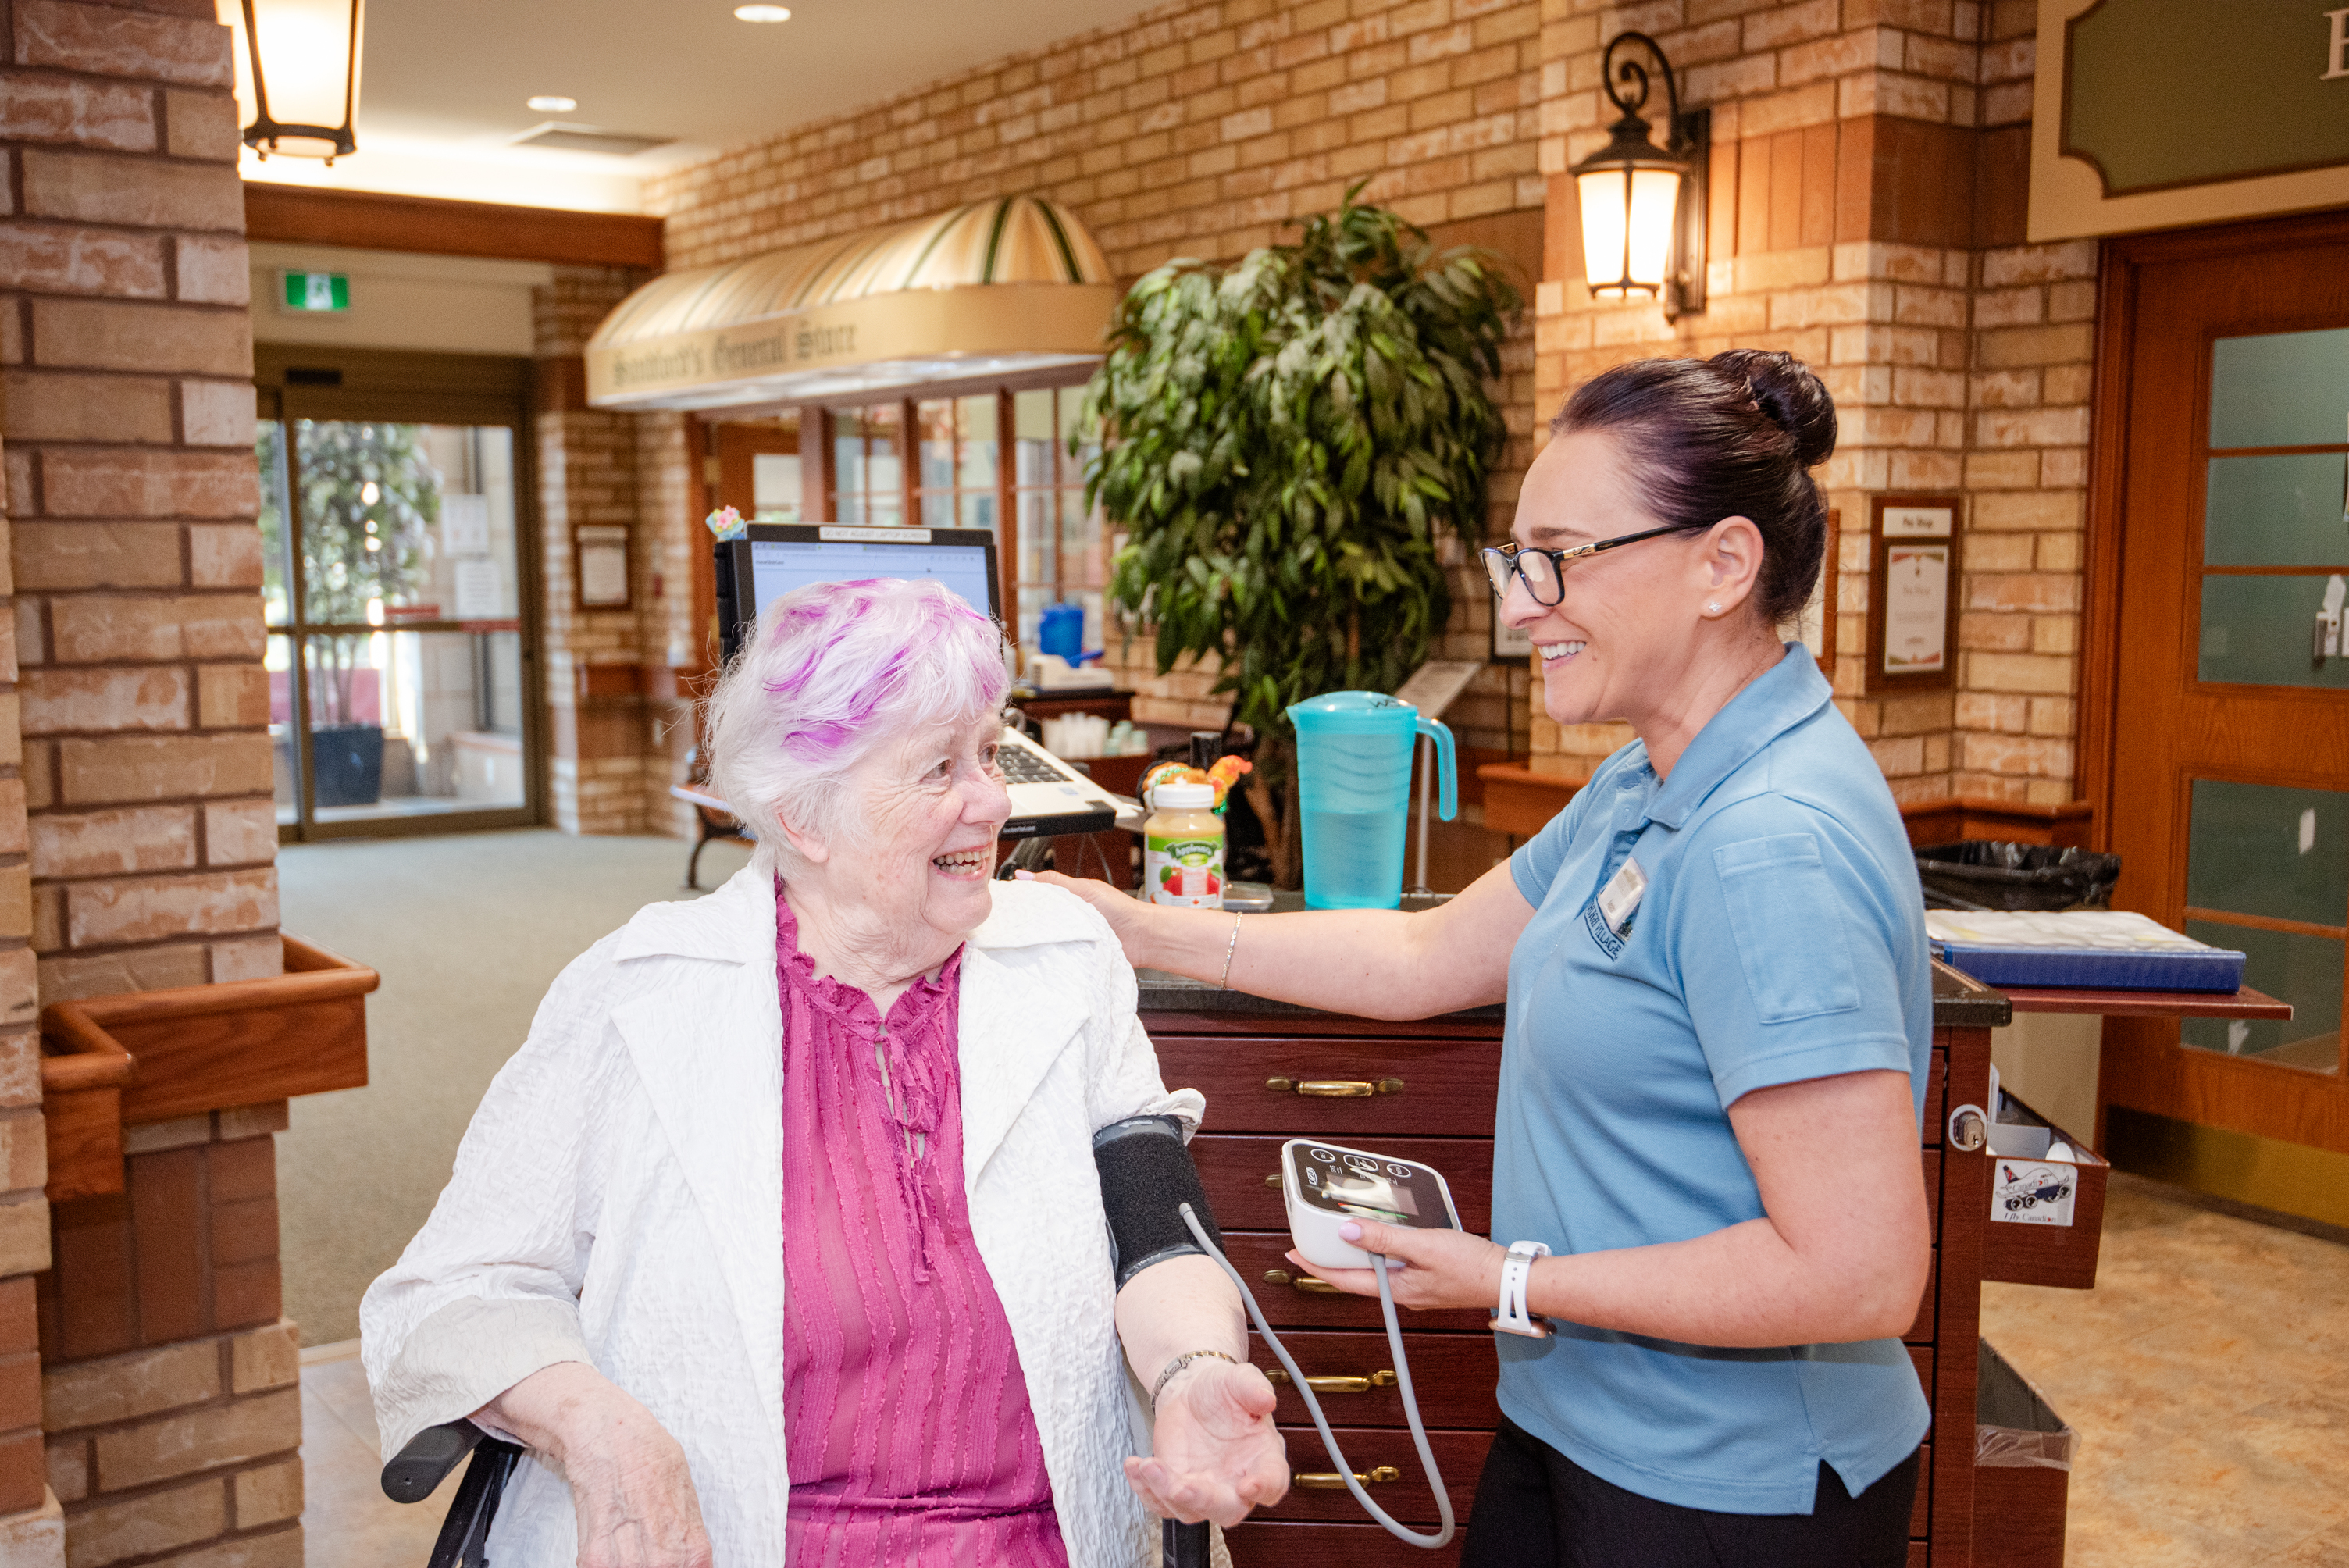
(1790, 394)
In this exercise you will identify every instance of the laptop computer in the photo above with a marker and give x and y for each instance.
(1049, 798)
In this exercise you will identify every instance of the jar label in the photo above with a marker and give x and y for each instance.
(1184, 872)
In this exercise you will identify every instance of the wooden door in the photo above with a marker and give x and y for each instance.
(2222, 747)
(758, 468)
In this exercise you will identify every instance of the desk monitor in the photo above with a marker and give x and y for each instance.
(773, 559)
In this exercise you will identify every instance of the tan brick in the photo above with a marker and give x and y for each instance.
(2039, 263)
(59, 699)
(242, 1121)
(24, 1158)
(107, 41)
(68, 1464)
(265, 1358)
(24, 1223)
(280, 1549)
(97, 628)
(155, 1137)
(121, 188)
(113, 115)
(201, 124)
(113, 844)
(2059, 551)
(161, 768)
(17, 901)
(131, 482)
(2002, 470)
(71, 555)
(213, 270)
(140, 969)
(123, 1387)
(179, 1445)
(224, 555)
(63, 260)
(216, 413)
(267, 1495)
(61, 407)
(240, 832)
(2036, 345)
(2032, 510)
(111, 1532)
(102, 336)
(247, 958)
(2029, 672)
(150, 908)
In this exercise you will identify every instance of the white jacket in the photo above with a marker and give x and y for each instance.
(618, 1200)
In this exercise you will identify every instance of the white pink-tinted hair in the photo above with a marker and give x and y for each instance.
(832, 671)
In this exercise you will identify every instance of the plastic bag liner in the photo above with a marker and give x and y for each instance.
(1988, 873)
(2013, 1427)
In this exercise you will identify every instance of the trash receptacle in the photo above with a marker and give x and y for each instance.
(2023, 1464)
(1989, 873)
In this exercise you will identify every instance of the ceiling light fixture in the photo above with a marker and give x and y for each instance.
(762, 13)
(551, 103)
(297, 75)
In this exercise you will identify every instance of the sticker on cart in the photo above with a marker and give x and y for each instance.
(2034, 1192)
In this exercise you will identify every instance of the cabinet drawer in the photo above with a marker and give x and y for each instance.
(1920, 1331)
(1259, 1254)
(1264, 1544)
(1459, 1455)
(1233, 1168)
(1453, 1375)
(1337, 1089)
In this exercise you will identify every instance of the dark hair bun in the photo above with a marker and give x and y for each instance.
(1790, 394)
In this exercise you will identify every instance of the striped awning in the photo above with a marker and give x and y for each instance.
(991, 288)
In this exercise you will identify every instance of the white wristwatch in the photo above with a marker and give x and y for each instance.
(1516, 1270)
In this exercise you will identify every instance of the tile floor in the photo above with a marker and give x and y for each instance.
(2206, 1373)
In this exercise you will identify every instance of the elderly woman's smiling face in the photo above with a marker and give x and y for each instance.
(921, 814)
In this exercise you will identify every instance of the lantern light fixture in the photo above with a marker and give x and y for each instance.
(550, 103)
(298, 74)
(1643, 206)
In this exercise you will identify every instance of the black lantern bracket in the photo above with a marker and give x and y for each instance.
(265, 132)
(1688, 144)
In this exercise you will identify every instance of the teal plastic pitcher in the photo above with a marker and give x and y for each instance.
(1353, 794)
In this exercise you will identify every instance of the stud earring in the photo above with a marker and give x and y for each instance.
(1713, 609)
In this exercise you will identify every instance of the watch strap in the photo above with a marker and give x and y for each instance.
(1516, 1272)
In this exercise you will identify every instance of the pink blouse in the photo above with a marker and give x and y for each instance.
(909, 1436)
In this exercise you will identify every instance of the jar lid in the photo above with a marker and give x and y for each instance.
(1183, 797)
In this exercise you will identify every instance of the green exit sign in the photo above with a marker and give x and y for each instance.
(318, 291)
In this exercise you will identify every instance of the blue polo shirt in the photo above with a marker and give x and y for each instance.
(1780, 937)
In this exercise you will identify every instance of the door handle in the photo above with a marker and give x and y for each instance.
(1306, 1284)
(1334, 1089)
(1383, 1378)
(1331, 1480)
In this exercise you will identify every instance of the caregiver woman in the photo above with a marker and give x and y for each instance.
(1719, 1016)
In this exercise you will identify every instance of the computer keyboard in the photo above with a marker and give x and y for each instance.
(1021, 766)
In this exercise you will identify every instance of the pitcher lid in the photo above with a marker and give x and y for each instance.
(1337, 703)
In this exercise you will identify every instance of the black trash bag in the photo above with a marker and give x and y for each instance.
(1987, 874)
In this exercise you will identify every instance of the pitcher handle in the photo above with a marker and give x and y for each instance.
(1447, 805)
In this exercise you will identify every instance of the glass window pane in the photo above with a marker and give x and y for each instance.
(2278, 512)
(937, 508)
(977, 417)
(884, 509)
(2304, 971)
(371, 513)
(1031, 613)
(937, 423)
(2258, 630)
(850, 509)
(978, 511)
(2262, 849)
(415, 723)
(1037, 555)
(276, 551)
(775, 487)
(284, 782)
(1081, 563)
(1032, 421)
(847, 456)
(2281, 390)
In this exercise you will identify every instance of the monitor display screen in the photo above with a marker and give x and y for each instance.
(778, 566)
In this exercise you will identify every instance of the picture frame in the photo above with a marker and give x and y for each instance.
(601, 575)
(1913, 586)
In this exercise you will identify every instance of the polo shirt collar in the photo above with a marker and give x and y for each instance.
(1789, 692)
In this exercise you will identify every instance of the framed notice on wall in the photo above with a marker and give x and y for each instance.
(602, 558)
(1912, 592)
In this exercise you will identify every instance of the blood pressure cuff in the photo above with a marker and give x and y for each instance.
(1146, 1175)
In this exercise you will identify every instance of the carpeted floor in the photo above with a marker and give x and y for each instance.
(468, 930)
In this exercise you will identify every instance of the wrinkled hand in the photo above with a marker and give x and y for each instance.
(630, 1488)
(1127, 917)
(1440, 1268)
(1217, 1453)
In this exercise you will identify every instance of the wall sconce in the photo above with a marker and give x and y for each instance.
(298, 74)
(1642, 205)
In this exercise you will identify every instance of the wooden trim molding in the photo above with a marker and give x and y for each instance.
(155, 1055)
(292, 215)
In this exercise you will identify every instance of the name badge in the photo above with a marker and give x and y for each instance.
(1621, 895)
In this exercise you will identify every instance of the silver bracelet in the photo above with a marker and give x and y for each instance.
(1177, 1365)
(1229, 948)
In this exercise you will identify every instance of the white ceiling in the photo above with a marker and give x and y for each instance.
(444, 81)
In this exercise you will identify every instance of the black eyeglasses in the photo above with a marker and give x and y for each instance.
(1545, 569)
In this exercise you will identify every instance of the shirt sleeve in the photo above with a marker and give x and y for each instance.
(1534, 865)
(1787, 968)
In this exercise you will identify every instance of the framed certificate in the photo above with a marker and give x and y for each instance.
(600, 563)
(1912, 592)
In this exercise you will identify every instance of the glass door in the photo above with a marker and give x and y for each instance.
(398, 647)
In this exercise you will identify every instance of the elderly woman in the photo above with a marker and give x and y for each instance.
(780, 1237)
(1720, 1017)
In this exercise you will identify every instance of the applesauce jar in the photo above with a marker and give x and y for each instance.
(1182, 848)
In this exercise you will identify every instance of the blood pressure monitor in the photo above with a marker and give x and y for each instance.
(1325, 1186)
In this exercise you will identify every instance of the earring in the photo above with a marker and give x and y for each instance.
(1713, 609)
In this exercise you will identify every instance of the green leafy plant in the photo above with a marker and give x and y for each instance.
(1286, 442)
(368, 497)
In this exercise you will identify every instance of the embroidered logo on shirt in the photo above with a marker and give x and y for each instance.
(1607, 917)
(1596, 923)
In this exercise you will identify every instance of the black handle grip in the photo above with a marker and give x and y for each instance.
(413, 1473)
(1183, 1545)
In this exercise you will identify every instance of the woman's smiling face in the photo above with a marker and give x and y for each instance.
(931, 805)
(1620, 640)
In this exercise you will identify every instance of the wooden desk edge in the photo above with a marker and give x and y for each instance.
(2243, 1004)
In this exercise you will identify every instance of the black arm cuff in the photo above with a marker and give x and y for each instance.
(1145, 1175)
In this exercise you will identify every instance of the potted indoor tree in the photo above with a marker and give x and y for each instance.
(368, 497)
(1286, 442)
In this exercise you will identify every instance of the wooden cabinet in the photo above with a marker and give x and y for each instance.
(1427, 1090)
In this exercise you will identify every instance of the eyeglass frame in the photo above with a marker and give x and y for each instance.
(1513, 555)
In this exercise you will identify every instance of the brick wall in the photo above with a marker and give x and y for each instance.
(169, 1379)
(138, 566)
(1866, 214)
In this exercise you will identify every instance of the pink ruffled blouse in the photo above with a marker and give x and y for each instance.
(909, 1435)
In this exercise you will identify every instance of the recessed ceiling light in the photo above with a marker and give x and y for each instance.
(763, 13)
(551, 103)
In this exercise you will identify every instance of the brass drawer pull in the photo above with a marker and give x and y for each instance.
(1331, 1480)
(1304, 1282)
(1335, 1089)
(1383, 1378)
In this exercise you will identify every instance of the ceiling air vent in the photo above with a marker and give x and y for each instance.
(588, 138)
